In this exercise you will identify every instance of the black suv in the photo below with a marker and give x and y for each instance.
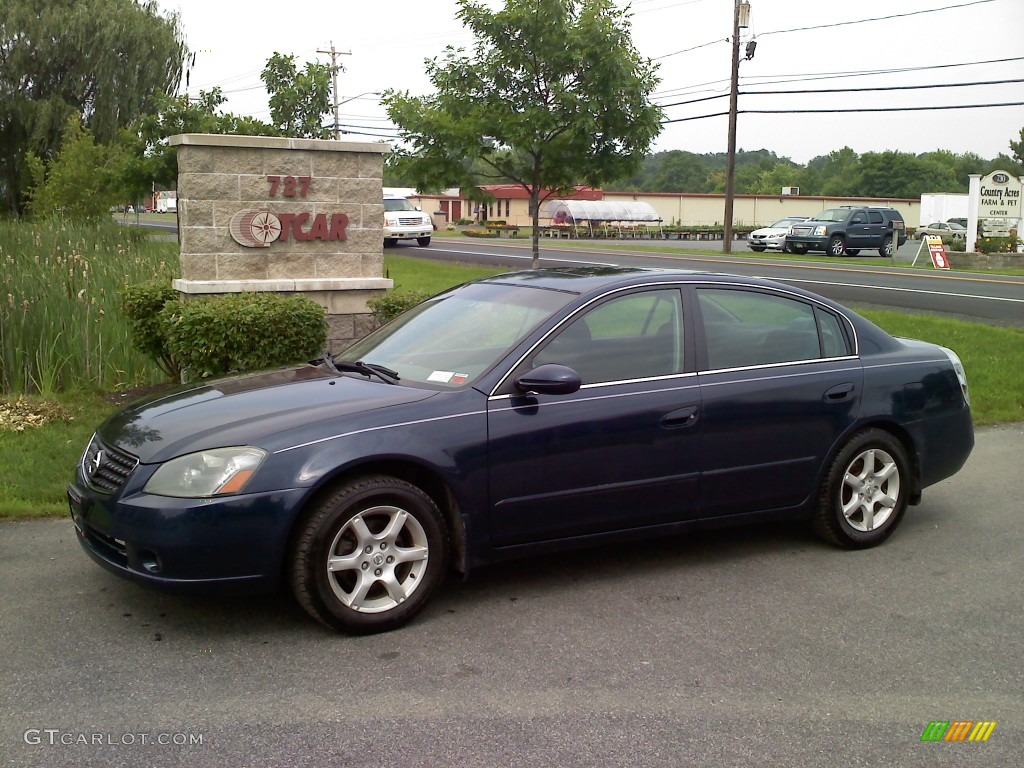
(849, 230)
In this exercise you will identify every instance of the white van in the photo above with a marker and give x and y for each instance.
(404, 221)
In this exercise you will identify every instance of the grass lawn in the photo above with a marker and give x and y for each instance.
(42, 439)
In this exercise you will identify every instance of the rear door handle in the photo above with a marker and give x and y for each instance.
(683, 417)
(839, 393)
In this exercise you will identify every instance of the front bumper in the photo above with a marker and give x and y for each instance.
(234, 544)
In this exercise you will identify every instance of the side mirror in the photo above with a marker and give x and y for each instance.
(550, 379)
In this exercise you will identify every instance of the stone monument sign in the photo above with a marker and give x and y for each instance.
(284, 216)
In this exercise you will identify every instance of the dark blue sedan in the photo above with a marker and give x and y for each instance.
(521, 413)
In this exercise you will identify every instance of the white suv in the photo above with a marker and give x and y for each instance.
(404, 221)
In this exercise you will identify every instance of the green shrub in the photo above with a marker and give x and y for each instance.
(142, 305)
(393, 303)
(217, 335)
(997, 244)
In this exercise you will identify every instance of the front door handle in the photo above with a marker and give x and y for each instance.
(683, 417)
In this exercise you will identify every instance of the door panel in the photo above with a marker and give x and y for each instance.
(619, 453)
(778, 386)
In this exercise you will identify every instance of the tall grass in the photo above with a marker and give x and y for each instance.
(61, 328)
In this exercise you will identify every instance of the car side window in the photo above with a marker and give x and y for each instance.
(833, 340)
(858, 218)
(636, 336)
(744, 328)
(874, 217)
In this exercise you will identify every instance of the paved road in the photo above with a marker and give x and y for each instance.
(988, 298)
(749, 647)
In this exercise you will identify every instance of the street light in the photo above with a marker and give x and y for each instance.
(741, 19)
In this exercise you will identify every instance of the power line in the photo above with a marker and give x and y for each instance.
(848, 109)
(879, 18)
(847, 90)
(838, 75)
(834, 24)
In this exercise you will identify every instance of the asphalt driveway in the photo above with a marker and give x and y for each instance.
(744, 647)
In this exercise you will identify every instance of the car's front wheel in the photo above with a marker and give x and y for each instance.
(757, 248)
(836, 246)
(423, 241)
(367, 557)
(865, 491)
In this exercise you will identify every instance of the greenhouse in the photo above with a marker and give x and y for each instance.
(602, 217)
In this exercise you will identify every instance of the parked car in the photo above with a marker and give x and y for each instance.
(404, 221)
(849, 229)
(773, 238)
(523, 413)
(946, 230)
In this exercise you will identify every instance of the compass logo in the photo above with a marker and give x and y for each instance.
(255, 227)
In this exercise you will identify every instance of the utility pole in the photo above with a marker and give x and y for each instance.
(335, 66)
(742, 9)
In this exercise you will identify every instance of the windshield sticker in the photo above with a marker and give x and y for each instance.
(441, 376)
(459, 378)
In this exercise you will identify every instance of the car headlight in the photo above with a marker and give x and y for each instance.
(218, 472)
(820, 230)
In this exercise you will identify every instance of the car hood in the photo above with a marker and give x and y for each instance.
(766, 231)
(266, 409)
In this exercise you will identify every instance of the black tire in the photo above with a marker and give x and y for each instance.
(836, 246)
(886, 249)
(872, 463)
(785, 248)
(852, 251)
(423, 241)
(757, 248)
(799, 250)
(390, 241)
(378, 530)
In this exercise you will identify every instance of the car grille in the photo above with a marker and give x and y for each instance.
(801, 230)
(411, 221)
(105, 468)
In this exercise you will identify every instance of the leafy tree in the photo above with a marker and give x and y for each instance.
(151, 161)
(104, 61)
(298, 100)
(554, 95)
(1017, 147)
(82, 182)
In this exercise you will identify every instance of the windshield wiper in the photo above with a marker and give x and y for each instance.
(367, 369)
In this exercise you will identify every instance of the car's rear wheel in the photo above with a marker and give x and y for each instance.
(368, 557)
(836, 246)
(865, 491)
(423, 241)
(886, 249)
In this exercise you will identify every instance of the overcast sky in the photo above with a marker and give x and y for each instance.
(905, 43)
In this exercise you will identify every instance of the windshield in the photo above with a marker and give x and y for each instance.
(832, 214)
(787, 222)
(400, 204)
(453, 339)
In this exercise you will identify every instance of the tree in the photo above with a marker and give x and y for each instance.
(554, 95)
(82, 182)
(298, 100)
(104, 61)
(1017, 147)
(151, 161)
